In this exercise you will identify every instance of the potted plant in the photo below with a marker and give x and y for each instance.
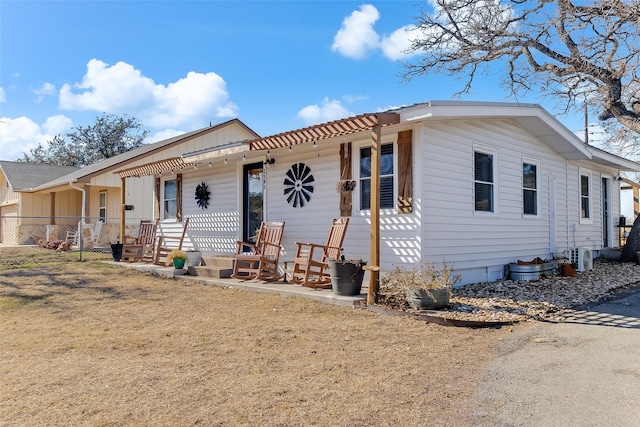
(194, 257)
(116, 250)
(568, 269)
(346, 275)
(177, 258)
(425, 287)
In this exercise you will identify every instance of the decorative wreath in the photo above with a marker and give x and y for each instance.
(202, 195)
(298, 185)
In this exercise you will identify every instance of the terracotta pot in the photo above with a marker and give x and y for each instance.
(568, 270)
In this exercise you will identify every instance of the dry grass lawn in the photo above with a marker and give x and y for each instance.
(89, 343)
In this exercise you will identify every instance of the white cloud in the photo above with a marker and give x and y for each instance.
(3, 95)
(56, 125)
(120, 89)
(21, 134)
(325, 112)
(47, 89)
(395, 45)
(356, 38)
(162, 135)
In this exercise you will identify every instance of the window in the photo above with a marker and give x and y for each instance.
(102, 206)
(170, 198)
(483, 181)
(585, 195)
(386, 177)
(529, 188)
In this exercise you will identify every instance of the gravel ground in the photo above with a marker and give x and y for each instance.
(544, 299)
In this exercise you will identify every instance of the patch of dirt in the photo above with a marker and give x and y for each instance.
(95, 344)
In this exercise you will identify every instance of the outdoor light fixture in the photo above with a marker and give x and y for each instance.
(289, 147)
(225, 160)
(209, 163)
(315, 145)
(244, 157)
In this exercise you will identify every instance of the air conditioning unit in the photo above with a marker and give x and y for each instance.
(583, 257)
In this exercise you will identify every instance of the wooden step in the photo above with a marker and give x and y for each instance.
(215, 267)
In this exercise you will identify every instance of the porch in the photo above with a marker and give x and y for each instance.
(278, 287)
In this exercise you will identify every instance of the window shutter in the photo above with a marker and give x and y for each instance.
(346, 197)
(405, 172)
(179, 197)
(156, 202)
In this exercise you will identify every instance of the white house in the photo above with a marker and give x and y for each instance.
(475, 184)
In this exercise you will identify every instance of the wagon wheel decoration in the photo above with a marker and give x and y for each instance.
(298, 185)
(202, 195)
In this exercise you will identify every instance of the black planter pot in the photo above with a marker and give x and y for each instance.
(116, 251)
(346, 277)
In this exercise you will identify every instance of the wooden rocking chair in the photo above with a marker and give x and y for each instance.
(143, 247)
(310, 267)
(165, 246)
(261, 262)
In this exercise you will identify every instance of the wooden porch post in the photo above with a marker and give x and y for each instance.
(374, 268)
(123, 191)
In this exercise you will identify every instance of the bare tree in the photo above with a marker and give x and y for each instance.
(108, 136)
(572, 51)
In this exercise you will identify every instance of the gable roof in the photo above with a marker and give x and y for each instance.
(119, 161)
(24, 176)
(532, 118)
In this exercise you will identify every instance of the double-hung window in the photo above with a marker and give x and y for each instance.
(102, 206)
(484, 183)
(386, 177)
(530, 187)
(585, 196)
(170, 197)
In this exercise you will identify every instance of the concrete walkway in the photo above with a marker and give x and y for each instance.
(585, 372)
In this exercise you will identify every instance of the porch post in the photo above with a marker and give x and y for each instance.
(374, 269)
(123, 191)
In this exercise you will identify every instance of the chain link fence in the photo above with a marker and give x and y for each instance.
(63, 233)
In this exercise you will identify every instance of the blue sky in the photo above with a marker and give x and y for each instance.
(179, 65)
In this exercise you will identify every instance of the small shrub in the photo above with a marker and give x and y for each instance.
(175, 254)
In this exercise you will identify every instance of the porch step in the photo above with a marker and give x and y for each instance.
(218, 267)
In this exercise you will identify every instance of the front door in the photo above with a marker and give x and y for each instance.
(253, 191)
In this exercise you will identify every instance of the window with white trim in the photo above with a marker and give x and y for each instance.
(102, 206)
(530, 184)
(170, 198)
(387, 160)
(483, 180)
(585, 195)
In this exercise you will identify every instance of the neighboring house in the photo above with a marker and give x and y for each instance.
(103, 196)
(23, 214)
(478, 185)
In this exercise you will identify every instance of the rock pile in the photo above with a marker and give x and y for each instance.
(543, 299)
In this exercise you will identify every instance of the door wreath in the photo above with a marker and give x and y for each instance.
(202, 195)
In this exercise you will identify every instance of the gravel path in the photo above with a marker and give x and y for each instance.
(544, 299)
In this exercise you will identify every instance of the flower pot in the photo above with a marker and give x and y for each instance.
(432, 299)
(568, 270)
(178, 263)
(346, 277)
(116, 251)
(194, 258)
(525, 271)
